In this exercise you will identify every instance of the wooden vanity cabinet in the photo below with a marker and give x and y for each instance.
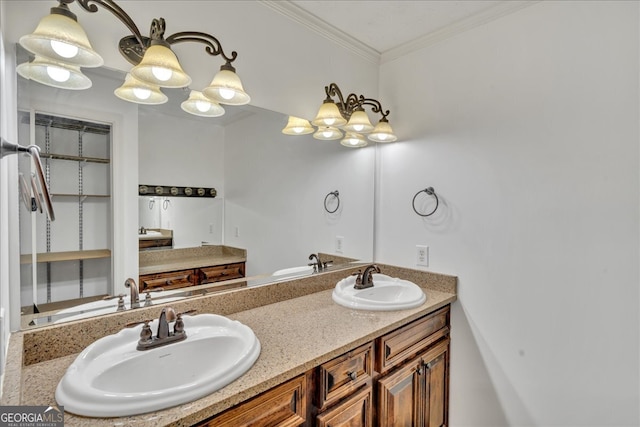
(282, 406)
(167, 281)
(414, 360)
(191, 277)
(344, 393)
(399, 379)
(416, 393)
(220, 272)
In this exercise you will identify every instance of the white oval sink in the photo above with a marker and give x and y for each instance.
(96, 308)
(387, 293)
(148, 234)
(304, 270)
(110, 378)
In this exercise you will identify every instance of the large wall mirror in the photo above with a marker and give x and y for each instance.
(271, 188)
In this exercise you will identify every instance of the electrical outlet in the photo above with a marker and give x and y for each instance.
(210, 228)
(237, 232)
(422, 255)
(339, 244)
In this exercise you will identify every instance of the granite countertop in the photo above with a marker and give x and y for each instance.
(310, 322)
(160, 261)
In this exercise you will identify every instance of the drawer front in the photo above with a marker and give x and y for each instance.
(345, 374)
(166, 281)
(284, 405)
(221, 272)
(356, 411)
(403, 343)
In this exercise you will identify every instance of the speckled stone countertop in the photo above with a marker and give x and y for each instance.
(297, 323)
(160, 261)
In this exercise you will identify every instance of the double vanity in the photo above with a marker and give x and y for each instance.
(310, 353)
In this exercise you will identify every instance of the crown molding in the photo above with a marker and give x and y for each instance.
(458, 27)
(301, 16)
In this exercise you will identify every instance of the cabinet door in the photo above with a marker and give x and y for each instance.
(399, 396)
(353, 412)
(282, 406)
(417, 394)
(436, 372)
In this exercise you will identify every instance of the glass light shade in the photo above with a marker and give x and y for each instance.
(329, 115)
(200, 105)
(359, 122)
(55, 74)
(354, 140)
(62, 39)
(226, 88)
(327, 133)
(382, 132)
(297, 126)
(134, 90)
(160, 67)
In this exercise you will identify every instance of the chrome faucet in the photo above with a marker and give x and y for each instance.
(135, 295)
(367, 277)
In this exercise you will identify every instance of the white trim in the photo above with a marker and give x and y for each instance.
(312, 22)
(491, 14)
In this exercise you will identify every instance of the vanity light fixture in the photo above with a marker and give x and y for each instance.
(297, 126)
(61, 47)
(348, 115)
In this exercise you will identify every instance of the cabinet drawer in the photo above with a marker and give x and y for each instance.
(171, 280)
(221, 272)
(284, 405)
(407, 341)
(345, 374)
(356, 411)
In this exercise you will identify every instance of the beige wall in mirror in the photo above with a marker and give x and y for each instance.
(269, 205)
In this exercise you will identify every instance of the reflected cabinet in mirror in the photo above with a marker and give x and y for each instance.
(268, 215)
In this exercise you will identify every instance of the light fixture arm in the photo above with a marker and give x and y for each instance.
(212, 45)
(133, 47)
(353, 102)
(116, 10)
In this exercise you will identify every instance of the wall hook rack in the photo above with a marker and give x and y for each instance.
(431, 192)
(336, 195)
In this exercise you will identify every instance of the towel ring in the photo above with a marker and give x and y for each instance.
(431, 192)
(335, 194)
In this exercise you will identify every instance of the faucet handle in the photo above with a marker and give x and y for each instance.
(120, 300)
(359, 278)
(147, 297)
(327, 264)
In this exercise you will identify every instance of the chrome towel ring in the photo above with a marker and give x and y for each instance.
(336, 195)
(431, 192)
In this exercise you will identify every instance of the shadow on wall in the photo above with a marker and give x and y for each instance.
(478, 381)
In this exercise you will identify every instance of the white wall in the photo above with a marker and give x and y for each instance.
(527, 128)
(183, 151)
(275, 190)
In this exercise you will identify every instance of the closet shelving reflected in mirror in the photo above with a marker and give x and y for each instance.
(68, 259)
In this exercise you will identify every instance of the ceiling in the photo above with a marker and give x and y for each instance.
(381, 30)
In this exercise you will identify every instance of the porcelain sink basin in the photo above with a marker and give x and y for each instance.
(110, 378)
(96, 308)
(149, 233)
(304, 270)
(387, 294)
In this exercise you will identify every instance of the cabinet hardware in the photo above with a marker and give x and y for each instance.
(352, 375)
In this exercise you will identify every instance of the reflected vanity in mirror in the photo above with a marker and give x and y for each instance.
(267, 217)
